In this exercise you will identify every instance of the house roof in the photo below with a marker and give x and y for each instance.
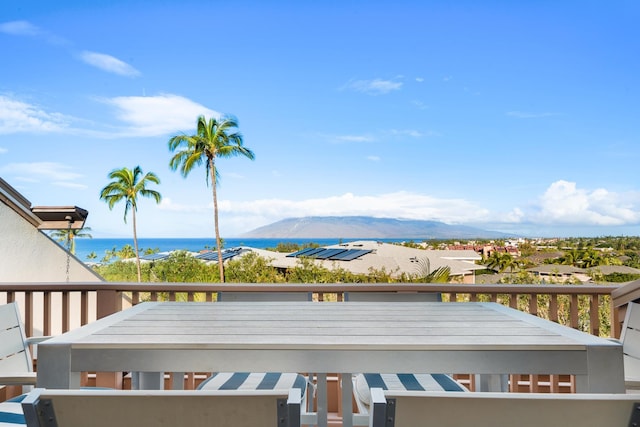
(60, 217)
(610, 269)
(556, 269)
(42, 217)
(394, 259)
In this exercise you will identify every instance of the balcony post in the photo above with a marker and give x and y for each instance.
(108, 302)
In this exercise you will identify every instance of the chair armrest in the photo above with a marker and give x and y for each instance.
(378, 408)
(37, 340)
(632, 384)
(18, 378)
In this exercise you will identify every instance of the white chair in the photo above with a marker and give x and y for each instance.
(630, 338)
(250, 380)
(16, 364)
(362, 383)
(410, 409)
(11, 412)
(256, 381)
(135, 408)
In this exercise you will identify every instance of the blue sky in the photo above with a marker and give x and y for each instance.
(513, 116)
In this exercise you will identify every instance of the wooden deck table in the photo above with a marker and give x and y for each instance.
(325, 337)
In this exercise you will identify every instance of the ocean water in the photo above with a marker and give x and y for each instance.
(85, 246)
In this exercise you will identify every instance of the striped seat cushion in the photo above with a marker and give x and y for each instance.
(254, 381)
(411, 382)
(11, 412)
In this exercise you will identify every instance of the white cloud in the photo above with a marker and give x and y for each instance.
(18, 116)
(374, 87)
(515, 216)
(373, 158)
(109, 64)
(19, 28)
(564, 203)
(407, 132)
(353, 138)
(158, 115)
(395, 205)
(167, 204)
(57, 173)
(419, 79)
(420, 105)
(3, 150)
(73, 185)
(142, 116)
(25, 28)
(412, 133)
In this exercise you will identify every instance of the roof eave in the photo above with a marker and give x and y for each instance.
(60, 217)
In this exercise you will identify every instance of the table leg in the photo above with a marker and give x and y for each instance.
(54, 368)
(147, 380)
(605, 371)
(321, 396)
(177, 380)
(492, 382)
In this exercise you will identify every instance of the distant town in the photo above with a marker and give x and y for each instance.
(531, 261)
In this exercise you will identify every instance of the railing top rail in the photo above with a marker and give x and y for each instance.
(626, 293)
(312, 287)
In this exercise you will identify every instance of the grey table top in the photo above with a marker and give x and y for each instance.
(484, 338)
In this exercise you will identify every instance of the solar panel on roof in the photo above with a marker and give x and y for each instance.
(227, 255)
(350, 255)
(329, 253)
(213, 255)
(208, 256)
(154, 257)
(301, 252)
(313, 252)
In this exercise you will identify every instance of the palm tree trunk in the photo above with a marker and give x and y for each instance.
(135, 245)
(215, 218)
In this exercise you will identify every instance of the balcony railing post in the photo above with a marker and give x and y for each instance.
(66, 311)
(553, 308)
(108, 302)
(573, 312)
(28, 313)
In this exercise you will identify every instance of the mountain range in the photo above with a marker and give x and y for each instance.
(365, 227)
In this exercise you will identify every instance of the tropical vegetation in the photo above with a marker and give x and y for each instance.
(68, 236)
(507, 268)
(126, 186)
(214, 138)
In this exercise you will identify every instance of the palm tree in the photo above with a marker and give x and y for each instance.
(68, 236)
(214, 138)
(501, 261)
(439, 275)
(127, 184)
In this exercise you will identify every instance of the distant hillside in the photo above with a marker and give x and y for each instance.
(357, 227)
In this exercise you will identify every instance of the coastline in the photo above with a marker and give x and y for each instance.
(100, 245)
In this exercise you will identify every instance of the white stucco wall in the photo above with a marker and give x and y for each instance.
(28, 255)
